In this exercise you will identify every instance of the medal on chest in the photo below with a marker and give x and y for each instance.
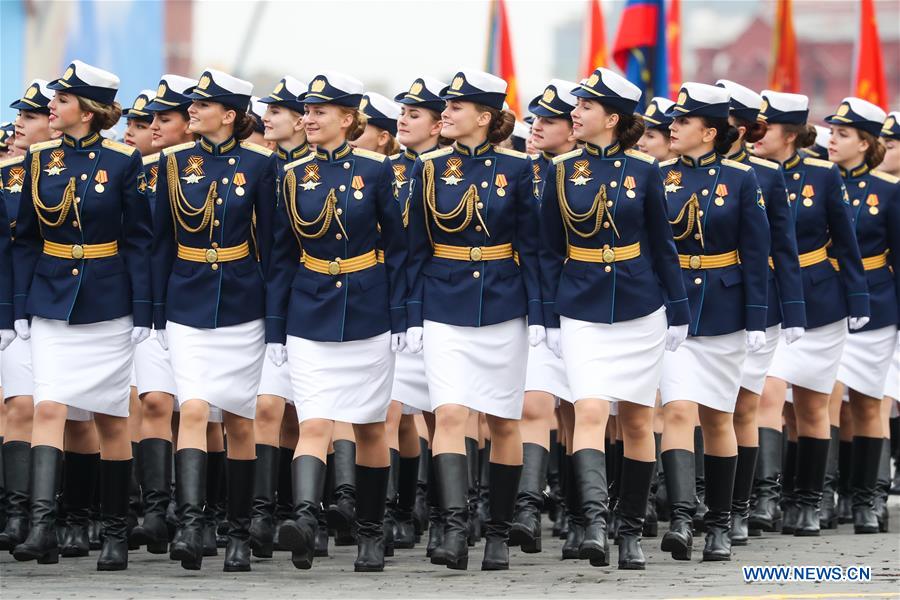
(807, 192)
(193, 172)
(14, 180)
(311, 177)
(101, 178)
(673, 182)
(872, 203)
(56, 166)
(358, 184)
(582, 173)
(453, 171)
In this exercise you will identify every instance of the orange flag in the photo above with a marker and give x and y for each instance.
(673, 39)
(784, 75)
(870, 81)
(594, 46)
(500, 55)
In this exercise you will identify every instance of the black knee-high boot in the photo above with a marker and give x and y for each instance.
(435, 513)
(190, 495)
(613, 470)
(635, 488)
(135, 504)
(78, 487)
(883, 486)
(2, 487)
(215, 497)
(560, 528)
(740, 501)
(342, 513)
(42, 544)
(651, 519)
(17, 473)
(866, 456)
(590, 476)
(700, 480)
(765, 514)
(828, 508)
(681, 489)
(327, 497)
(405, 530)
(156, 481)
(262, 514)
(390, 501)
(451, 471)
(526, 527)
(719, 492)
(790, 509)
(420, 508)
(115, 503)
(504, 488)
(372, 484)
(484, 482)
(475, 524)
(284, 494)
(574, 514)
(845, 475)
(240, 478)
(894, 434)
(299, 534)
(554, 502)
(812, 458)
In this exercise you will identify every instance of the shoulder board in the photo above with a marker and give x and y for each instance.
(671, 161)
(119, 147)
(509, 152)
(436, 153)
(566, 155)
(395, 156)
(534, 157)
(735, 164)
(818, 162)
(764, 163)
(299, 161)
(11, 161)
(369, 154)
(885, 176)
(153, 158)
(256, 148)
(639, 155)
(44, 145)
(178, 148)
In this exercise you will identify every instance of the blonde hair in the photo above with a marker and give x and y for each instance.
(359, 121)
(105, 115)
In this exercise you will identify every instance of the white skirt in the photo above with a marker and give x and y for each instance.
(757, 364)
(546, 373)
(866, 359)
(18, 377)
(812, 361)
(275, 381)
(153, 367)
(705, 370)
(481, 368)
(618, 361)
(215, 414)
(892, 383)
(410, 384)
(342, 381)
(83, 366)
(220, 366)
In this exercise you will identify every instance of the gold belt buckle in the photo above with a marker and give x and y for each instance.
(609, 255)
(695, 262)
(212, 255)
(334, 267)
(475, 254)
(77, 252)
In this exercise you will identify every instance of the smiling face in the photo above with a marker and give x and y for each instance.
(326, 123)
(846, 147)
(591, 122)
(138, 134)
(210, 118)
(281, 123)
(66, 113)
(31, 127)
(552, 134)
(417, 127)
(463, 119)
(690, 136)
(169, 128)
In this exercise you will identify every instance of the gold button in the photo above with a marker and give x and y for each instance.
(613, 184)
(606, 224)
(91, 155)
(487, 163)
(478, 228)
(705, 192)
(618, 163)
(700, 213)
(74, 271)
(346, 165)
(77, 199)
(338, 236)
(218, 201)
(607, 268)
(231, 161)
(215, 244)
(792, 196)
(480, 205)
(476, 274)
(698, 281)
(216, 222)
(211, 256)
(484, 184)
(696, 236)
(856, 202)
(475, 254)
(225, 181)
(77, 252)
(342, 188)
(609, 202)
(712, 171)
(83, 176)
(338, 284)
(694, 262)
(339, 211)
(796, 176)
(214, 267)
(862, 184)
(74, 223)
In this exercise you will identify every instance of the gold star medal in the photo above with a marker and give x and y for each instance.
(56, 166)
(357, 184)
(721, 192)
(399, 178)
(240, 181)
(101, 177)
(193, 172)
(629, 184)
(808, 192)
(453, 172)
(310, 177)
(582, 173)
(500, 182)
(15, 179)
(673, 181)
(872, 202)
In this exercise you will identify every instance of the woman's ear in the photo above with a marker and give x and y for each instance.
(484, 119)
(436, 128)
(612, 120)
(709, 134)
(86, 116)
(229, 117)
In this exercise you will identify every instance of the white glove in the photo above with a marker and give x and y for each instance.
(139, 334)
(858, 322)
(536, 334)
(277, 354)
(755, 341)
(675, 336)
(554, 341)
(162, 338)
(414, 339)
(6, 338)
(792, 334)
(398, 342)
(22, 328)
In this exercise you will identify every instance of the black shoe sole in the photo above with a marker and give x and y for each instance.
(679, 550)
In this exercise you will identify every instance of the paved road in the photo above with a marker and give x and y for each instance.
(409, 574)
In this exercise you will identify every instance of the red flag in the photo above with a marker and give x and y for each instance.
(785, 74)
(594, 52)
(500, 55)
(870, 81)
(673, 39)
